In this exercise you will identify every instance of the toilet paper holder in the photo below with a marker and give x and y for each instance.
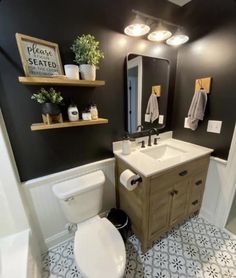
(137, 179)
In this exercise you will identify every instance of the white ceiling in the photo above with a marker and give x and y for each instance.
(180, 3)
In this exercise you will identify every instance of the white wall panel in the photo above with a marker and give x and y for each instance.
(45, 208)
(220, 187)
(214, 182)
(13, 218)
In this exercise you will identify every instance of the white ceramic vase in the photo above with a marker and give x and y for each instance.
(88, 72)
(72, 71)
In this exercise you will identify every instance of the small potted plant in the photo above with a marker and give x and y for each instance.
(50, 100)
(87, 55)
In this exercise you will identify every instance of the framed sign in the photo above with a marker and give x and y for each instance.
(39, 57)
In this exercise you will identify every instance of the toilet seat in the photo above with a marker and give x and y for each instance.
(99, 249)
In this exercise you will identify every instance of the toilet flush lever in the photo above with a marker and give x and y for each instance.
(71, 227)
(69, 199)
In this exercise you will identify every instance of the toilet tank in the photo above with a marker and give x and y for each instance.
(81, 197)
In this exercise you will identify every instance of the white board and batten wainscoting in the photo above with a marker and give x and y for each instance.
(46, 209)
(220, 188)
(50, 221)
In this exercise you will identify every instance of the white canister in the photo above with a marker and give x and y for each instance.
(133, 144)
(86, 116)
(72, 71)
(73, 113)
(94, 112)
(126, 146)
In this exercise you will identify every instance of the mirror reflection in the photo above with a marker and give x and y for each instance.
(147, 92)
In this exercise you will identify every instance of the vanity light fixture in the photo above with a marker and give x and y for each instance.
(143, 23)
(137, 27)
(178, 38)
(159, 34)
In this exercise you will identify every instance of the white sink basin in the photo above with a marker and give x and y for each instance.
(163, 152)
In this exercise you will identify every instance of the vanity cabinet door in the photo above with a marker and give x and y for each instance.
(160, 205)
(179, 207)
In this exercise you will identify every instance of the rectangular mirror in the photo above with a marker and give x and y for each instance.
(147, 92)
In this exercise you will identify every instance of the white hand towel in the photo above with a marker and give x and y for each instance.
(197, 109)
(152, 111)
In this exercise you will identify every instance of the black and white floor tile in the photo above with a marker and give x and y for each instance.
(194, 249)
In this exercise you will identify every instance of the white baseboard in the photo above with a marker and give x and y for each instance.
(204, 213)
(208, 217)
(229, 233)
(57, 238)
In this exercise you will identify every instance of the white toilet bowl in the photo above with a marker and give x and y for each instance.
(99, 249)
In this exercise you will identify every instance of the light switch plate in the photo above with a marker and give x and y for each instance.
(214, 126)
(161, 119)
(186, 125)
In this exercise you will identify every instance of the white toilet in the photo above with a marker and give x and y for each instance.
(99, 249)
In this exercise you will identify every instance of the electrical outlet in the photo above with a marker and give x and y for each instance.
(186, 125)
(161, 119)
(214, 126)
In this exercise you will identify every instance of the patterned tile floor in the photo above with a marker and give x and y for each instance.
(194, 249)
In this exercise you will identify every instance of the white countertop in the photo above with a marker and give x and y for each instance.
(147, 166)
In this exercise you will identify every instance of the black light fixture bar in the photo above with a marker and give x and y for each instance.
(141, 26)
(156, 19)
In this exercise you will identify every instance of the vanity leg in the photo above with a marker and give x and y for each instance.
(145, 247)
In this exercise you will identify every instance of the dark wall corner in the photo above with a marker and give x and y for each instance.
(210, 53)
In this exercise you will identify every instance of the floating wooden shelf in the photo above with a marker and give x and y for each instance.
(42, 126)
(29, 80)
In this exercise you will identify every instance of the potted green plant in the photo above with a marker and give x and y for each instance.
(87, 55)
(50, 99)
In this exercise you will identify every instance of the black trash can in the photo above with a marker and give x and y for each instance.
(121, 221)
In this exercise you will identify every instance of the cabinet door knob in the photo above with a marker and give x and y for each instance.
(172, 193)
(195, 202)
(198, 182)
(176, 192)
(183, 173)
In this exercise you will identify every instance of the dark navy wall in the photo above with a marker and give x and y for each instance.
(211, 52)
(44, 152)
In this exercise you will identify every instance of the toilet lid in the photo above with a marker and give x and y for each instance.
(99, 249)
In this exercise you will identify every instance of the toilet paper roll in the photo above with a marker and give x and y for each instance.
(126, 178)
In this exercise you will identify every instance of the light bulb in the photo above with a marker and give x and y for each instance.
(137, 28)
(177, 39)
(159, 35)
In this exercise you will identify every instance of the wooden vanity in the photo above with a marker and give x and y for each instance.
(163, 200)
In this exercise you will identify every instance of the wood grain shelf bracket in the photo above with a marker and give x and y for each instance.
(36, 80)
(204, 83)
(42, 126)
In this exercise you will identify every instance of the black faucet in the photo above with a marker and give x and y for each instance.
(150, 132)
